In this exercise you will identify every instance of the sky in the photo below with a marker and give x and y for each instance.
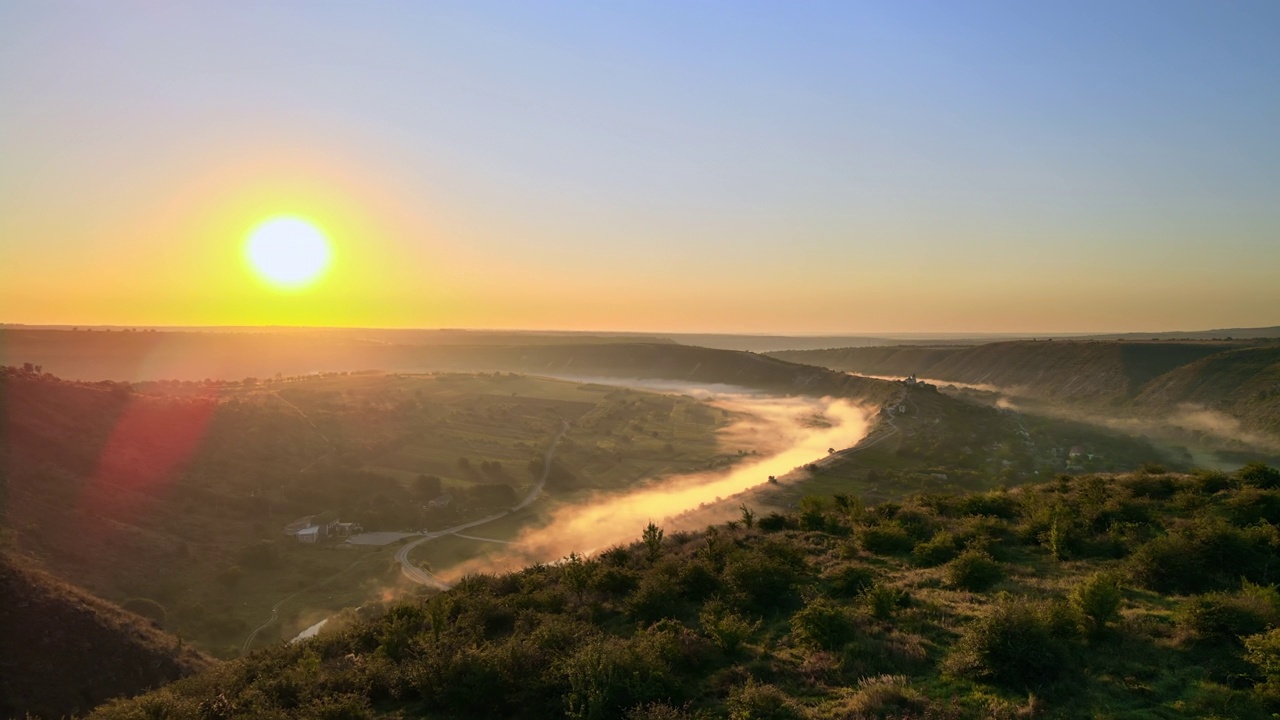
(785, 167)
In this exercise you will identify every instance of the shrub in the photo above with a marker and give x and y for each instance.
(697, 580)
(884, 696)
(823, 625)
(726, 628)
(761, 578)
(608, 676)
(1097, 600)
(1154, 485)
(657, 711)
(1259, 475)
(1205, 555)
(994, 504)
(761, 702)
(773, 522)
(1209, 482)
(974, 570)
(613, 581)
(941, 548)
(884, 600)
(616, 556)
(1262, 650)
(1250, 506)
(1226, 617)
(887, 538)
(848, 581)
(1019, 644)
(657, 597)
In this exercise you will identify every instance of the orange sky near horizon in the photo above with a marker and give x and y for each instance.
(868, 169)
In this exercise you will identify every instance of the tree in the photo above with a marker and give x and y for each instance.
(653, 540)
(428, 486)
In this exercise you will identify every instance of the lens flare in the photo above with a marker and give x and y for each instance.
(288, 252)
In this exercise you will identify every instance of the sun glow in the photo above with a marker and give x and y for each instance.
(288, 252)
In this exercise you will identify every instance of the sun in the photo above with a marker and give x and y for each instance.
(288, 252)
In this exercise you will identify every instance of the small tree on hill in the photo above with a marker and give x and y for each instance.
(653, 540)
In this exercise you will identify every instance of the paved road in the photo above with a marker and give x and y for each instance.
(424, 577)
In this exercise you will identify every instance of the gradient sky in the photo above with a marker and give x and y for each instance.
(703, 166)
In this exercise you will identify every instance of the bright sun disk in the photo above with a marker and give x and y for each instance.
(287, 251)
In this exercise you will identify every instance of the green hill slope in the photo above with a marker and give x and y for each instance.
(63, 651)
(1243, 384)
(1053, 370)
(1136, 378)
(1135, 596)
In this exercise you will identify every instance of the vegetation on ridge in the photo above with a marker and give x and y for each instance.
(1146, 595)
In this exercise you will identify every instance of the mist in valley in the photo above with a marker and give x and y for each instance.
(785, 432)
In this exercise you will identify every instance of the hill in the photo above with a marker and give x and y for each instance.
(1080, 596)
(1150, 379)
(179, 492)
(63, 651)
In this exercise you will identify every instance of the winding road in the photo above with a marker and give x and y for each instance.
(411, 571)
(424, 577)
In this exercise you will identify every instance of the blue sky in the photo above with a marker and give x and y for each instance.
(814, 167)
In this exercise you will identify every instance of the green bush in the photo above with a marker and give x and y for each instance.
(1226, 617)
(994, 504)
(1209, 482)
(609, 675)
(753, 701)
(823, 625)
(657, 711)
(887, 538)
(941, 548)
(1259, 475)
(1155, 486)
(1204, 555)
(763, 577)
(974, 570)
(1250, 506)
(727, 629)
(1262, 650)
(1097, 600)
(848, 580)
(657, 597)
(1019, 644)
(774, 522)
(884, 600)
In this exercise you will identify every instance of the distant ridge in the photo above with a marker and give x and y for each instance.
(1239, 379)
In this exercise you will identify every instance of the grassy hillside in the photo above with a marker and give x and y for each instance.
(1243, 384)
(1058, 369)
(1137, 378)
(1146, 595)
(937, 444)
(63, 651)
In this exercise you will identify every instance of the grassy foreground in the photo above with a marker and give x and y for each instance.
(1146, 595)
